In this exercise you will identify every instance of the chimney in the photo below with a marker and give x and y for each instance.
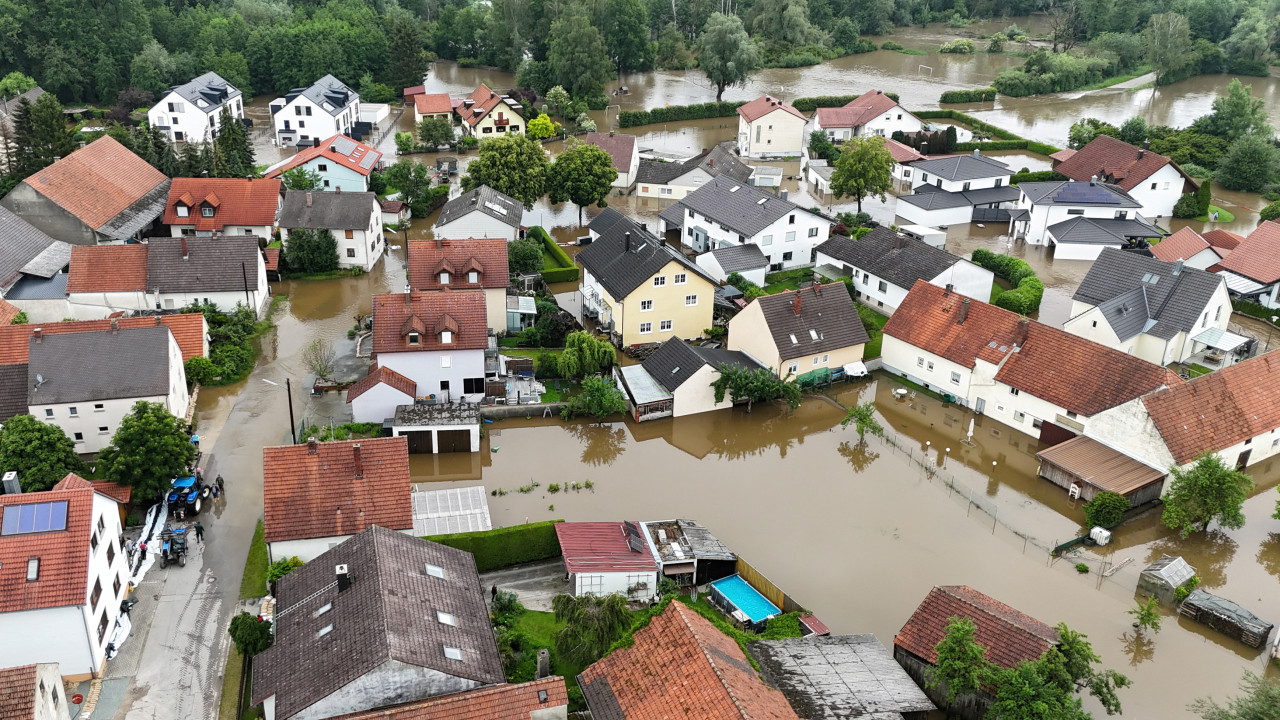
(796, 302)
(313, 447)
(924, 148)
(1141, 151)
(439, 243)
(1177, 268)
(784, 194)
(610, 133)
(963, 312)
(38, 334)
(344, 579)
(315, 142)
(947, 293)
(711, 162)
(408, 294)
(337, 190)
(158, 323)
(115, 326)
(308, 199)
(899, 242)
(976, 153)
(359, 461)
(1093, 179)
(185, 253)
(1024, 326)
(626, 242)
(1146, 144)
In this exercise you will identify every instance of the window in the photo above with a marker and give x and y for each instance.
(966, 187)
(1075, 211)
(324, 631)
(680, 278)
(48, 412)
(1071, 414)
(1036, 423)
(322, 167)
(472, 386)
(93, 543)
(351, 252)
(1122, 214)
(883, 286)
(813, 232)
(660, 281)
(690, 300)
(766, 240)
(350, 234)
(924, 177)
(79, 437)
(999, 182)
(102, 627)
(96, 594)
(930, 366)
(815, 360)
(1203, 321)
(307, 111)
(446, 361)
(1217, 313)
(1153, 186)
(182, 210)
(826, 357)
(665, 191)
(646, 328)
(102, 430)
(413, 338)
(473, 276)
(445, 618)
(446, 337)
(1166, 185)
(452, 653)
(444, 278)
(664, 326)
(33, 569)
(919, 362)
(115, 586)
(791, 219)
(1014, 391)
(793, 368)
(786, 256)
(646, 305)
(111, 552)
(791, 236)
(34, 518)
(487, 130)
(1095, 323)
(322, 609)
(98, 407)
(955, 378)
(206, 211)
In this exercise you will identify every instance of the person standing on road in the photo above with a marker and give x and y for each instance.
(199, 532)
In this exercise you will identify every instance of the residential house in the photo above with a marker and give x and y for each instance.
(375, 397)
(480, 213)
(189, 330)
(680, 660)
(840, 676)
(798, 332)
(1079, 219)
(354, 218)
(1009, 637)
(63, 573)
(749, 261)
(33, 692)
(1252, 268)
(318, 494)
(8, 108)
(1154, 181)
(676, 380)
(323, 109)
(1032, 377)
(639, 289)
(204, 207)
(106, 279)
(1159, 311)
(340, 162)
(478, 264)
(485, 113)
(432, 105)
(381, 619)
(545, 699)
(961, 173)
(770, 128)
(192, 111)
(606, 558)
(395, 212)
(674, 180)
(957, 189)
(131, 366)
(101, 193)
(1222, 241)
(1188, 247)
(871, 114)
(435, 339)
(27, 251)
(623, 150)
(884, 265)
(725, 212)
(904, 159)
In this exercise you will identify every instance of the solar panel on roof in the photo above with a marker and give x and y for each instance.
(344, 145)
(368, 160)
(1089, 194)
(34, 518)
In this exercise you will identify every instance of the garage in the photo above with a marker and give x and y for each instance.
(433, 428)
(450, 441)
(419, 442)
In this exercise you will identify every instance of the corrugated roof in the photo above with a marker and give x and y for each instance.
(1009, 636)
(98, 182)
(23, 244)
(1100, 466)
(601, 547)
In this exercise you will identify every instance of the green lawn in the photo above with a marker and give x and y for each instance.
(254, 582)
(1223, 215)
(230, 685)
(1195, 370)
(874, 322)
(786, 280)
(995, 292)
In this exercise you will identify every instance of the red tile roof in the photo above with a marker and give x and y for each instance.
(107, 268)
(98, 181)
(1063, 155)
(815, 625)
(594, 547)
(326, 493)
(395, 315)
(498, 702)
(432, 104)
(1218, 410)
(235, 202)
(9, 311)
(485, 101)
(1008, 635)
(620, 147)
(18, 691)
(271, 258)
(1051, 364)
(1223, 239)
(64, 555)
(378, 376)
(681, 666)
(120, 493)
(1258, 257)
(857, 112)
(354, 160)
(902, 153)
(415, 90)
(1115, 161)
(764, 105)
(1182, 245)
(188, 329)
(428, 258)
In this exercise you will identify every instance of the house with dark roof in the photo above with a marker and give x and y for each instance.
(638, 288)
(904, 157)
(480, 213)
(623, 150)
(957, 189)
(545, 699)
(485, 113)
(749, 261)
(340, 162)
(435, 339)
(379, 620)
(675, 179)
(323, 109)
(63, 574)
(28, 251)
(676, 380)
(189, 330)
(1154, 181)
(318, 494)
(354, 219)
(680, 660)
(1008, 635)
(101, 193)
(8, 108)
(1030, 376)
(1079, 219)
(872, 113)
(129, 366)
(884, 265)
(606, 558)
(1252, 267)
(32, 692)
(770, 128)
(961, 173)
(796, 333)
(474, 264)
(1159, 311)
(1189, 247)
(192, 111)
(725, 212)
(203, 207)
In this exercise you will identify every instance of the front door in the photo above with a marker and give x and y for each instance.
(979, 405)
(1243, 460)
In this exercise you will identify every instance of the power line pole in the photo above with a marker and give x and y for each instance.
(293, 426)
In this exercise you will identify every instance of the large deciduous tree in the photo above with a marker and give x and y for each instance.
(583, 175)
(578, 56)
(1168, 43)
(40, 453)
(962, 666)
(726, 54)
(311, 251)
(435, 131)
(514, 165)
(585, 354)
(626, 34)
(1249, 47)
(753, 386)
(862, 170)
(16, 83)
(1250, 164)
(149, 449)
(1236, 114)
(1209, 490)
(1260, 701)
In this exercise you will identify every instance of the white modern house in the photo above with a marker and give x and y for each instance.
(1079, 218)
(480, 213)
(672, 180)
(435, 339)
(770, 128)
(354, 218)
(1154, 181)
(63, 572)
(341, 163)
(375, 397)
(323, 109)
(955, 190)
(873, 113)
(623, 150)
(725, 212)
(192, 111)
(203, 207)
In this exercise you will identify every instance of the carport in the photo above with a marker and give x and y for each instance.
(1093, 467)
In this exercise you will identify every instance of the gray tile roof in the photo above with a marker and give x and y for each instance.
(213, 264)
(329, 210)
(963, 167)
(33, 287)
(884, 253)
(388, 613)
(672, 364)
(13, 391)
(22, 245)
(828, 320)
(488, 201)
(141, 213)
(1174, 303)
(1128, 314)
(737, 258)
(936, 200)
(984, 196)
(210, 88)
(620, 271)
(740, 207)
(1101, 231)
(130, 363)
(327, 89)
(719, 160)
(10, 105)
(929, 197)
(1072, 193)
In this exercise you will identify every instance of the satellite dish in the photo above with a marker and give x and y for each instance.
(39, 379)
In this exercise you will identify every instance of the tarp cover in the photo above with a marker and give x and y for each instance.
(1224, 607)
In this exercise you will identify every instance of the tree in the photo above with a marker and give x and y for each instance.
(413, 179)
(16, 83)
(786, 21)
(540, 127)
(1207, 491)
(309, 250)
(514, 165)
(41, 134)
(436, 131)
(1235, 114)
(585, 123)
(40, 453)
(150, 448)
(863, 169)
(1066, 25)
(1270, 212)
(1204, 196)
(844, 35)
(524, 256)
(863, 419)
(996, 43)
(320, 358)
(626, 34)
(1168, 43)
(1146, 615)
(585, 354)
(599, 398)
(1260, 701)
(583, 175)
(962, 667)
(726, 54)
(1083, 132)
(282, 567)
(1248, 49)
(670, 52)
(234, 146)
(578, 56)
(558, 99)
(1251, 163)
(407, 52)
(753, 386)
(591, 625)
(250, 635)
(1133, 131)
(1106, 509)
(300, 178)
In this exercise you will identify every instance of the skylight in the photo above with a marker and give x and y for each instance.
(813, 334)
(761, 201)
(324, 631)
(324, 609)
(734, 189)
(34, 518)
(794, 341)
(446, 619)
(452, 653)
(434, 570)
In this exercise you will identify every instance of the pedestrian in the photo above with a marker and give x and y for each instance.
(493, 593)
(214, 491)
(142, 548)
(199, 532)
(218, 480)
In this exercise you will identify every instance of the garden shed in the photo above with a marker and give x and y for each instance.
(1226, 617)
(1094, 467)
(1163, 577)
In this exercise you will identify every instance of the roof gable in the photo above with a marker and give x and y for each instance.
(487, 257)
(813, 320)
(495, 204)
(857, 112)
(188, 330)
(621, 148)
(1008, 635)
(396, 315)
(97, 182)
(1174, 298)
(1115, 161)
(675, 361)
(351, 154)
(766, 104)
(1258, 256)
(481, 103)
(383, 376)
(1181, 245)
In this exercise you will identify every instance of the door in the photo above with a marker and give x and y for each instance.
(980, 405)
(419, 441)
(287, 126)
(1243, 459)
(453, 441)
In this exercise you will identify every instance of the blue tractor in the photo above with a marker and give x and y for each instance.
(187, 496)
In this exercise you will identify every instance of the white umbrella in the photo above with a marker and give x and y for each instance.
(970, 429)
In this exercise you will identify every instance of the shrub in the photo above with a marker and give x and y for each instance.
(564, 270)
(1271, 212)
(964, 96)
(1182, 591)
(1036, 176)
(959, 46)
(1105, 510)
(507, 546)
(677, 113)
(891, 45)
(1187, 207)
(793, 60)
(1025, 297)
(282, 567)
(1082, 568)
(1046, 72)
(201, 370)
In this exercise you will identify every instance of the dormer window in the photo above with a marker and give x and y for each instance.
(182, 210)
(206, 211)
(414, 338)
(444, 277)
(473, 277)
(446, 337)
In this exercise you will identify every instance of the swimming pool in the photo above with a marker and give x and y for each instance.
(755, 606)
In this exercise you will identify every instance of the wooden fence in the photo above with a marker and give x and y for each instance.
(765, 587)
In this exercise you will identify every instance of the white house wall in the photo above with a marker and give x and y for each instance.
(88, 420)
(262, 231)
(427, 370)
(696, 396)
(45, 310)
(909, 361)
(48, 635)
(195, 124)
(1129, 429)
(378, 403)
(772, 241)
(614, 583)
(105, 572)
(677, 188)
(1042, 216)
(1159, 192)
(98, 305)
(778, 133)
(391, 683)
(319, 124)
(53, 704)
(476, 224)
(967, 279)
(1086, 252)
(924, 178)
(915, 215)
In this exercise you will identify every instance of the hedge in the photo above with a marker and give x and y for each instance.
(564, 270)
(992, 145)
(965, 96)
(974, 123)
(1025, 297)
(1253, 309)
(503, 547)
(676, 113)
(1036, 176)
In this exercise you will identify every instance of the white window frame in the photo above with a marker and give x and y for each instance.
(660, 281)
(688, 298)
(446, 361)
(664, 325)
(646, 306)
(646, 328)
(680, 278)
